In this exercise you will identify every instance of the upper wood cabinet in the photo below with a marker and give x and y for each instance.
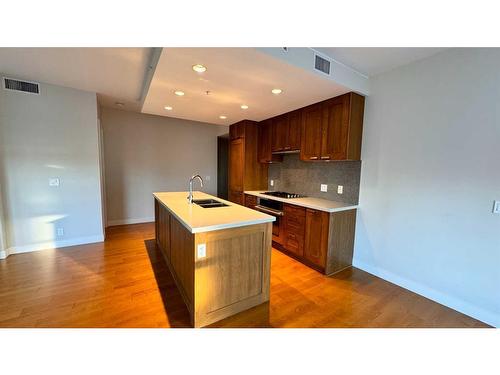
(265, 154)
(294, 129)
(286, 132)
(332, 130)
(245, 172)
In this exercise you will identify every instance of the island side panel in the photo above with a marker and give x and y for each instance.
(235, 273)
(176, 244)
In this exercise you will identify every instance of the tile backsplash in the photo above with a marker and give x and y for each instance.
(296, 176)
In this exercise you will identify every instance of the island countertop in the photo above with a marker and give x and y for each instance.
(309, 202)
(197, 219)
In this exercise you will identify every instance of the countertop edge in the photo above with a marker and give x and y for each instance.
(301, 204)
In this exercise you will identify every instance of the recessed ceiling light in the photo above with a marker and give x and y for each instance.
(244, 106)
(199, 68)
(120, 104)
(276, 91)
(222, 117)
(179, 93)
(168, 108)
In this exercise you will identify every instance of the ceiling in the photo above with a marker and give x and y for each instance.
(116, 74)
(234, 76)
(377, 60)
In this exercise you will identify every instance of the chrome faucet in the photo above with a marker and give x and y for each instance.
(190, 196)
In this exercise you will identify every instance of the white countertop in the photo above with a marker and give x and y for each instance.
(314, 203)
(198, 219)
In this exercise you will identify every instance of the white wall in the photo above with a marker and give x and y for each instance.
(145, 153)
(42, 136)
(430, 173)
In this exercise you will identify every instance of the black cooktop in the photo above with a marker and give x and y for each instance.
(283, 194)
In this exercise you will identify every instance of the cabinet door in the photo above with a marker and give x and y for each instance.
(294, 129)
(236, 164)
(316, 237)
(336, 129)
(312, 118)
(280, 133)
(236, 197)
(264, 153)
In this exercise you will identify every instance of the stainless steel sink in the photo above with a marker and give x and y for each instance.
(209, 203)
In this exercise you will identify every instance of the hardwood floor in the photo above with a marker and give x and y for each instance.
(124, 282)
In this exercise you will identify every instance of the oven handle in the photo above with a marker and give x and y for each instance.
(269, 210)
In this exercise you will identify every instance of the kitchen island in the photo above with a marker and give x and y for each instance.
(219, 256)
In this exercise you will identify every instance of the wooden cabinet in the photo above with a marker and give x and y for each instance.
(265, 154)
(280, 133)
(236, 164)
(294, 129)
(312, 122)
(332, 130)
(250, 201)
(316, 237)
(286, 132)
(294, 228)
(321, 240)
(236, 197)
(245, 172)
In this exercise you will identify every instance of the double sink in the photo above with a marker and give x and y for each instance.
(209, 203)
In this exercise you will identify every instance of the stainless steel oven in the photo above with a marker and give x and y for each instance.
(274, 208)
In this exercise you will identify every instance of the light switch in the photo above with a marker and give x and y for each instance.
(496, 207)
(201, 250)
(324, 188)
(340, 189)
(207, 178)
(54, 182)
(271, 182)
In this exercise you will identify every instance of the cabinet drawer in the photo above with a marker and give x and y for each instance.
(296, 227)
(294, 210)
(250, 201)
(294, 243)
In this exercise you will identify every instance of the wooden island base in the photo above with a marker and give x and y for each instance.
(219, 273)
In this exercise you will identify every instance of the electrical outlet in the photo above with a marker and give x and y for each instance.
(271, 182)
(496, 207)
(324, 188)
(201, 250)
(340, 189)
(54, 182)
(60, 232)
(207, 178)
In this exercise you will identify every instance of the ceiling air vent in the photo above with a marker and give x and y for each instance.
(24, 86)
(321, 64)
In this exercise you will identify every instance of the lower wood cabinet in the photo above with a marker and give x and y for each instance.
(250, 201)
(236, 197)
(316, 244)
(322, 240)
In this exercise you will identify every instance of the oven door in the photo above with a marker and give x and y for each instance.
(277, 224)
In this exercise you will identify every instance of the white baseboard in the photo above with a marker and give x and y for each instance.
(4, 253)
(486, 316)
(130, 221)
(54, 244)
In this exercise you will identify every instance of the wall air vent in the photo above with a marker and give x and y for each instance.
(24, 86)
(321, 64)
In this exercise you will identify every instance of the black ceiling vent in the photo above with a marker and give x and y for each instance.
(321, 64)
(24, 86)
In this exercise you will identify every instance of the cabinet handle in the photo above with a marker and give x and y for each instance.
(325, 157)
(313, 158)
(288, 148)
